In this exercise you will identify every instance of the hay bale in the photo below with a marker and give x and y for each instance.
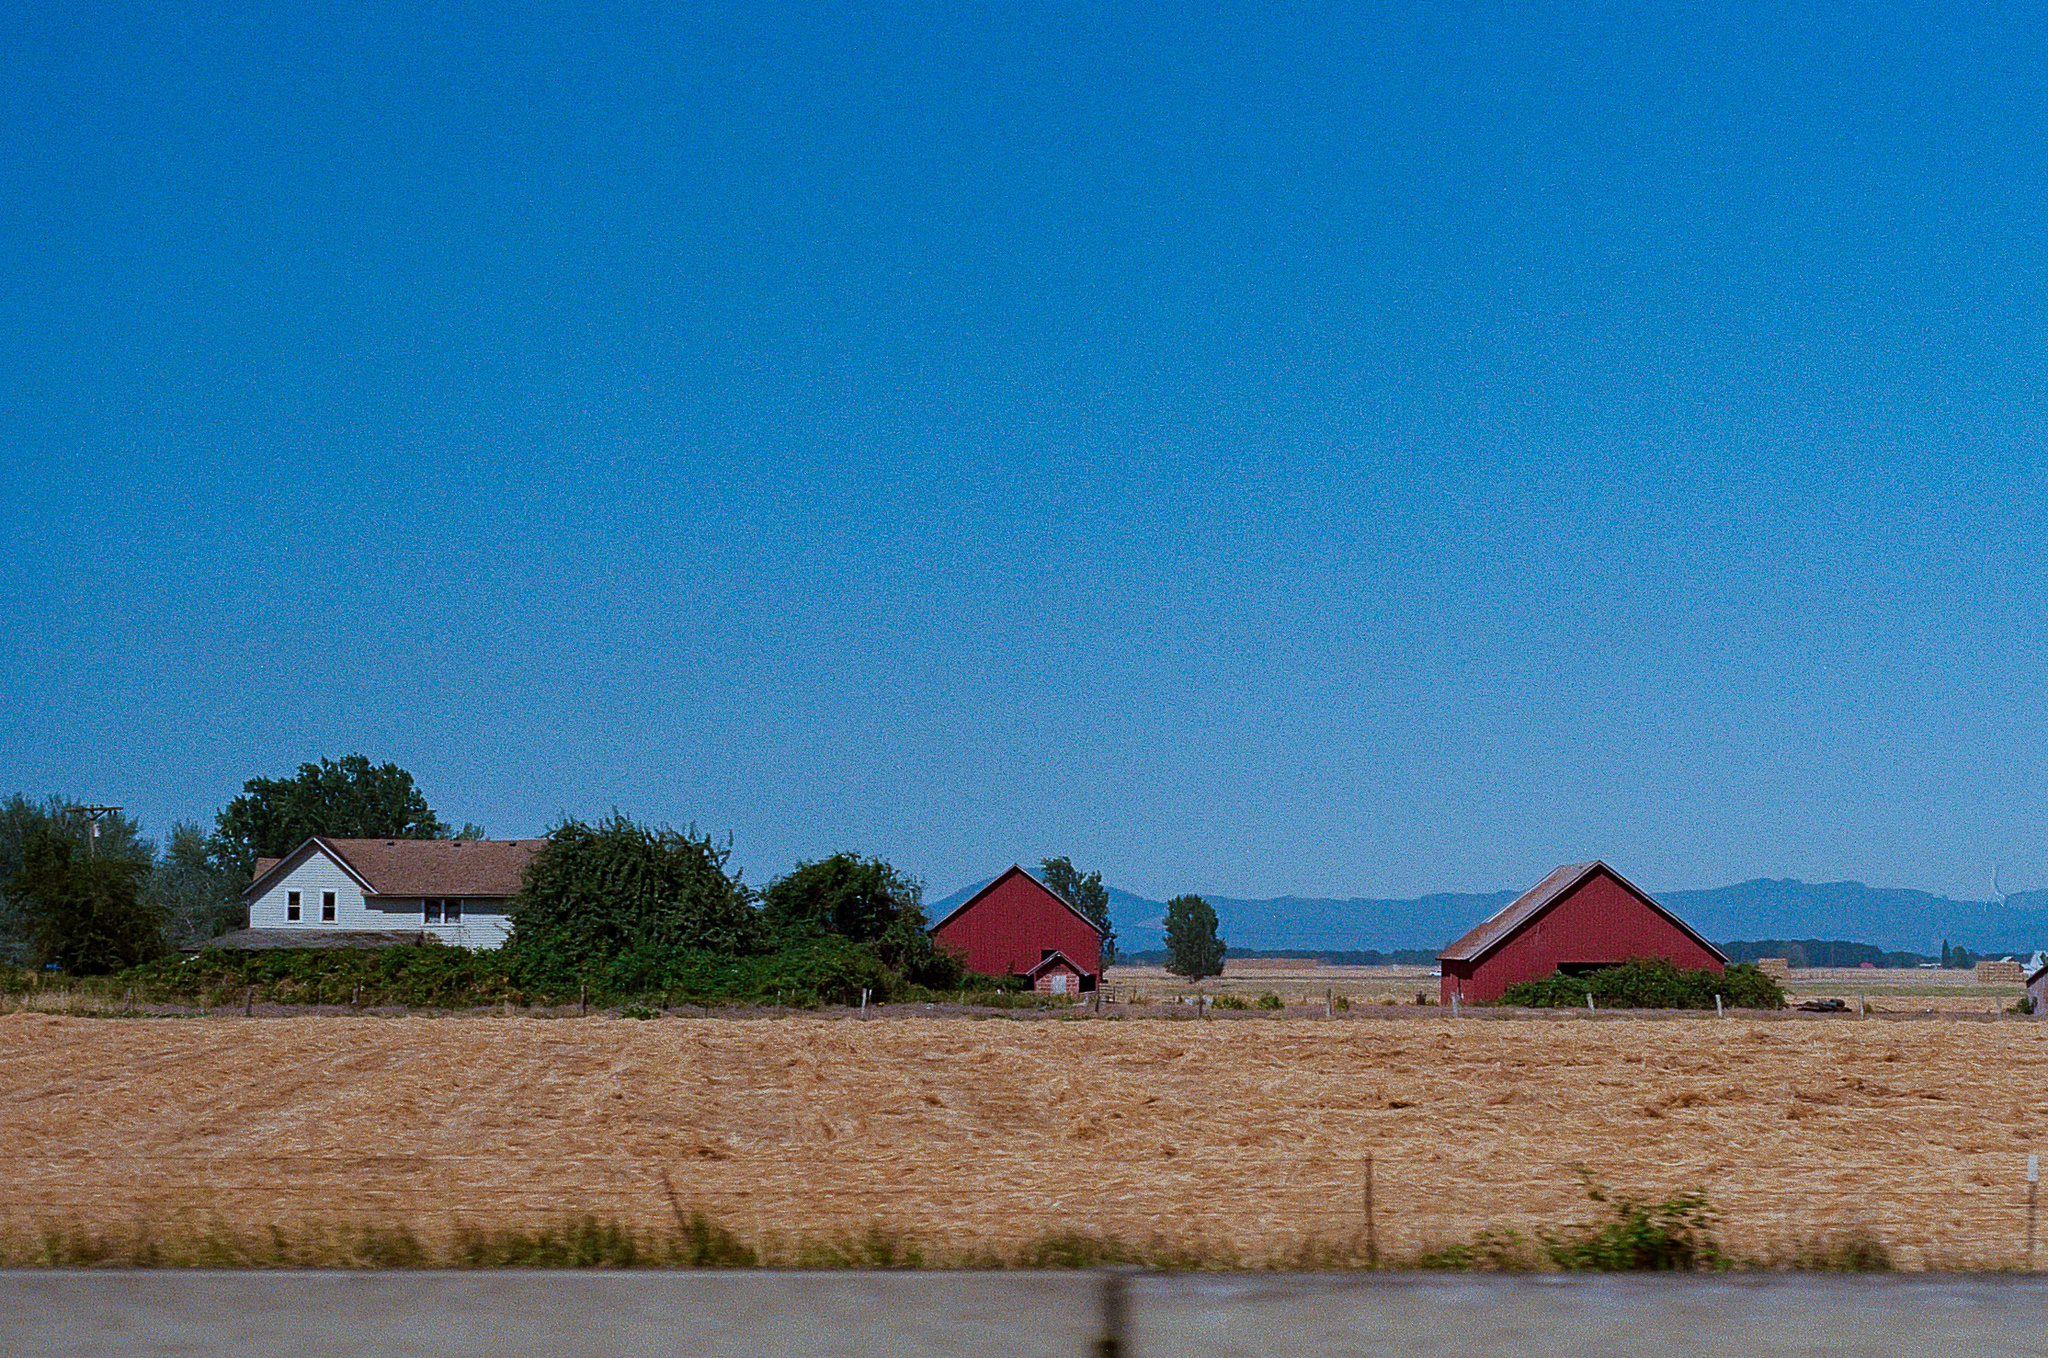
(1998, 973)
(1776, 967)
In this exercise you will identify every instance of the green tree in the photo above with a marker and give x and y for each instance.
(862, 900)
(24, 820)
(1193, 947)
(348, 798)
(84, 912)
(198, 898)
(624, 897)
(1086, 894)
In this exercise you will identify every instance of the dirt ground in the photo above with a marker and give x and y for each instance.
(1249, 1133)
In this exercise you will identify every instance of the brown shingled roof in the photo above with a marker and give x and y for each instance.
(1509, 919)
(421, 867)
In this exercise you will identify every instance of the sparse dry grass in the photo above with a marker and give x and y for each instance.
(1245, 1138)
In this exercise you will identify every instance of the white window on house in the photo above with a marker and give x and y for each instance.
(327, 905)
(291, 905)
(452, 911)
(433, 912)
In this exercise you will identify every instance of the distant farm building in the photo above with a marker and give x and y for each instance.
(1019, 926)
(1580, 918)
(2037, 991)
(366, 892)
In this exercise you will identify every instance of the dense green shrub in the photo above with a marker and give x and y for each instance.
(617, 899)
(1271, 1001)
(429, 975)
(864, 901)
(1650, 983)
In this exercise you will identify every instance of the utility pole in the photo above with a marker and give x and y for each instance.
(92, 815)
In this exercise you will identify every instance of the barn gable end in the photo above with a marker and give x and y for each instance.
(1017, 922)
(1581, 915)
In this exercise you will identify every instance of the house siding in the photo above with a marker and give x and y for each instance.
(486, 923)
(315, 874)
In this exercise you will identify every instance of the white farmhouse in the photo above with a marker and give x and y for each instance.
(338, 892)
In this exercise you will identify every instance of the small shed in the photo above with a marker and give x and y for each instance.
(1056, 974)
(1581, 917)
(2037, 991)
(1015, 924)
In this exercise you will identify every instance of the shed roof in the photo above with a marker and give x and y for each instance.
(1014, 870)
(416, 867)
(1507, 921)
(1055, 957)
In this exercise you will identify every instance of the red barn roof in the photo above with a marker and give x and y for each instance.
(1505, 922)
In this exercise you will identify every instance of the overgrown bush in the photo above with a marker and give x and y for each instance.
(1229, 1002)
(1634, 1235)
(610, 896)
(1271, 1001)
(1650, 983)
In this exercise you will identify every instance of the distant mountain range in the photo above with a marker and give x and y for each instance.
(1890, 917)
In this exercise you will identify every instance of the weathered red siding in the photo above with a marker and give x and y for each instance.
(1600, 921)
(1007, 928)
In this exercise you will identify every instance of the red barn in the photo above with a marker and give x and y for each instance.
(1016, 925)
(1581, 917)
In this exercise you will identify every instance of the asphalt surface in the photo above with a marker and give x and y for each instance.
(576, 1314)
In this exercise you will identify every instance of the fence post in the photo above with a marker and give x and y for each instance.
(249, 1002)
(2033, 1192)
(1115, 1340)
(1372, 1236)
(583, 998)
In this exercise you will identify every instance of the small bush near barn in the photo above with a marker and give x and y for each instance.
(1650, 983)
(1271, 1001)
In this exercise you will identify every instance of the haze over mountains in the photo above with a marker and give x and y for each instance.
(1893, 918)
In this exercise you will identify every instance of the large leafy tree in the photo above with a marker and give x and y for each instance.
(348, 798)
(84, 911)
(599, 894)
(1086, 894)
(862, 900)
(23, 821)
(1193, 947)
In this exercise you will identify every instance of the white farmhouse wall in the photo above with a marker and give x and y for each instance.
(317, 874)
(484, 923)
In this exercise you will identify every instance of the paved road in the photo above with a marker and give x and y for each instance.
(568, 1314)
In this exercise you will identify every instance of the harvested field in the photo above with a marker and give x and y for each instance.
(1248, 1136)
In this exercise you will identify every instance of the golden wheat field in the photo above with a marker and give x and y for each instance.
(1250, 1135)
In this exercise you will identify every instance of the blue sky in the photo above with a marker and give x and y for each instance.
(1321, 449)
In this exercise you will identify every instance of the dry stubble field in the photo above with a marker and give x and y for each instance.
(1247, 1134)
